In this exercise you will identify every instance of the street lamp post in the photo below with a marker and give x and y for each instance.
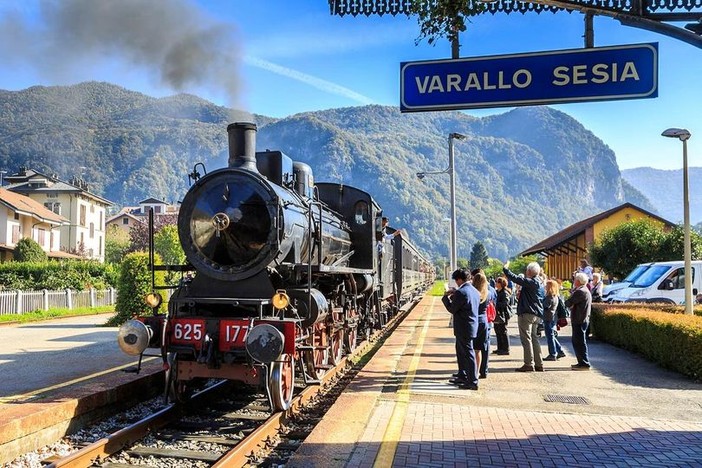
(450, 171)
(684, 135)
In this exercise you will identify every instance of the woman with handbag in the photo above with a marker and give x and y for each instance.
(551, 300)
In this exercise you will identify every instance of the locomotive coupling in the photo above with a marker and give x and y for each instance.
(265, 343)
(133, 337)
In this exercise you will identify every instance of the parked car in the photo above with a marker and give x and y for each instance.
(662, 282)
(608, 292)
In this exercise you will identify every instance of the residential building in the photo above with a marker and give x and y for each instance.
(564, 250)
(85, 232)
(130, 215)
(22, 217)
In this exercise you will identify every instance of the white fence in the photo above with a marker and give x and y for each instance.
(20, 302)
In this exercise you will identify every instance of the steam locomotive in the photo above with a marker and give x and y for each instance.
(285, 276)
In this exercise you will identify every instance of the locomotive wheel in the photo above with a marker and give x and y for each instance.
(336, 346)
(351, 339)
(317, 359)
(282, 382)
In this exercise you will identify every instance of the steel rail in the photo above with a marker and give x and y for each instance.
(240, 454)
(125, 437)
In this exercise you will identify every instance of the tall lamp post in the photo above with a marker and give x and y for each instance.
(450, 171)
(684, 135)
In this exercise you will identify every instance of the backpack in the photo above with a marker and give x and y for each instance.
(491, 311)
(562, 311)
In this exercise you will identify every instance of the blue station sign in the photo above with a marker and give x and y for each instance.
(577, 75)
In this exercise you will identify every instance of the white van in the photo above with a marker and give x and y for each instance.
(609, 291)
(662, 282)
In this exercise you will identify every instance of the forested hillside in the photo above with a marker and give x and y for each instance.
(521, 175)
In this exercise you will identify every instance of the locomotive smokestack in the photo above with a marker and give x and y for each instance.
(242, 145)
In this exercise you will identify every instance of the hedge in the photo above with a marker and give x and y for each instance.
(74, 274)
(659, 333)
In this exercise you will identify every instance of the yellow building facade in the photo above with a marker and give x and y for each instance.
(564, 250)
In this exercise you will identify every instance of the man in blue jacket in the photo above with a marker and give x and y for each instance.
(463, 304)
(530, 311)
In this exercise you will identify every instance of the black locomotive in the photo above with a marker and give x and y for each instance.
(289, 275)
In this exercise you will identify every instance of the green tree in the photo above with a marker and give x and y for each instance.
(518, 265)
(133, 285)
(620, 249)
(478, 256)
(116, 244)
(673, 245)
(493, 268)
(167, 244)
(139, 233)
(444, 18)
(27, 250)
(462, 263)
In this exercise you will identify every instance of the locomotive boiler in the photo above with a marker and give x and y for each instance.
(284, 276)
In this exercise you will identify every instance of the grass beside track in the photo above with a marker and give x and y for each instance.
(40, 315)
(438, 288)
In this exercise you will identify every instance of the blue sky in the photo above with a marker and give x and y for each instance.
(294, 57)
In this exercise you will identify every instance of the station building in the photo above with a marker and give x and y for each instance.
(564, 250)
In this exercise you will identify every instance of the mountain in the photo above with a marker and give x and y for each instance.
(665, 190)
(520, 176)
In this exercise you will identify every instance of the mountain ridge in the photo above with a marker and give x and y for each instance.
(520, 176)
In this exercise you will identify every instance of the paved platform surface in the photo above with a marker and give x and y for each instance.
(55, 375)
(401, 411)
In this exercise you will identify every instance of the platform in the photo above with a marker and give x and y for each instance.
(56, 375)
(401, 411)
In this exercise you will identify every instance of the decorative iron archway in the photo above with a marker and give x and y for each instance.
(651, 15)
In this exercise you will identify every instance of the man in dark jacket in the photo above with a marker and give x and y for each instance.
(463, 304)
(580, 303)
(530, 311)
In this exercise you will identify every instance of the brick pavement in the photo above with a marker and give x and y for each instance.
(406, 414)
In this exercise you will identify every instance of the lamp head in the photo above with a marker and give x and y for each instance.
(421, 175)
(679, 133)
(457, 136)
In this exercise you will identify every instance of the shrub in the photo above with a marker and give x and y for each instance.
(27, 250)
(74, 274)
(672, 340)
(133, 285)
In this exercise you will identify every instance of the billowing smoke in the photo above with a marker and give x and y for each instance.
(175, 42)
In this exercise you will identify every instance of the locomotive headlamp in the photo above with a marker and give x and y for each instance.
(280, 300)
(265, 343)
(153, 300)
(133, 337)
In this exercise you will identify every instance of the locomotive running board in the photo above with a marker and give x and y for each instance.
(335, 270)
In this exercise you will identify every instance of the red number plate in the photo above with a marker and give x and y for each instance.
(187, 332)
(232, 334)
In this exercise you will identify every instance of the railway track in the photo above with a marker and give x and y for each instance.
(218, 431)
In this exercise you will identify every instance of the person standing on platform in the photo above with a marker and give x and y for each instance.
(481, 343)
(555, 351)
(463, 304)
(580, 303)
(530, 311)
(503, 316)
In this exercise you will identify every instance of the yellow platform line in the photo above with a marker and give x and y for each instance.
(391, 438)
(35, 393)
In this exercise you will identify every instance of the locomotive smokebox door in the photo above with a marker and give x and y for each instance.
(227, 224)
